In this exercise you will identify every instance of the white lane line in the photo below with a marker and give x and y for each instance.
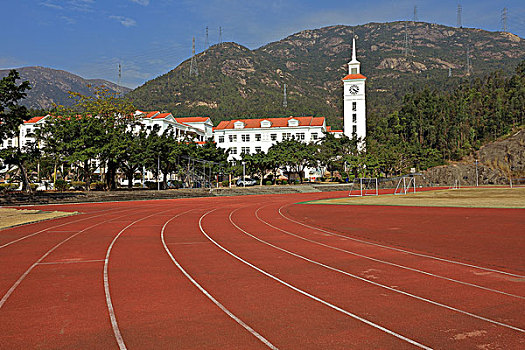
(49, 228)
(387, 262)
(398, 249)
(208, 295)
(379, 284)
(69, 262)
(21, 278)
(109, 303)
(324, 302)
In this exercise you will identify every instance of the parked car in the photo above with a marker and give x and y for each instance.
(246, 182)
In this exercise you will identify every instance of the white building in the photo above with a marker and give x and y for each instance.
(26, 133)
(354, 99)
(258, 135)
(199, 128)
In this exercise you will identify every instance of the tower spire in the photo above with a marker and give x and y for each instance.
(354, 65)
(354, 57)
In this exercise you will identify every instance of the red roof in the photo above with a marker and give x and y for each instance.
(275, 122)
(161, 115)
(33, 120)
(338, 131)
(354, 76)
(191, 119)
(151, 114)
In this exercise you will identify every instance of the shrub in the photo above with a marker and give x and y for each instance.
(284, 182)
(225, 183)
(268, 182)
(61, 185)
(78, 185)
(97, 186)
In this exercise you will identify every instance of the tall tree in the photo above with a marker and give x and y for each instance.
(12, 115)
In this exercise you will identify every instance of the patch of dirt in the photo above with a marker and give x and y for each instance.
(10, 217)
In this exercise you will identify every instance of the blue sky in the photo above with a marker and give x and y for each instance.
(151, 37)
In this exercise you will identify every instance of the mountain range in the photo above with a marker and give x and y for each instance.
(51, 86)
(398, 57)
(233, 81)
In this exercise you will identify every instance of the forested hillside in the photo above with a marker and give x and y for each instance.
(235, 82)
(433, 126)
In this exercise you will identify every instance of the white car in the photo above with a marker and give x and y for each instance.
(246, 182)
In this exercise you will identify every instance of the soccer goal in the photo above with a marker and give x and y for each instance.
(406, 184)
(364, 186)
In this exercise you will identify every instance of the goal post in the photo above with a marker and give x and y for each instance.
(405, 184)
(364, 186)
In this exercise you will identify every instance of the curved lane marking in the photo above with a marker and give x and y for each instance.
(398, 249)
(208, 295)
(23, 276)
(378, 284)
(109, 303)
(311, 296)
(387, 262)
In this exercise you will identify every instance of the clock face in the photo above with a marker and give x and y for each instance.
(354, 89)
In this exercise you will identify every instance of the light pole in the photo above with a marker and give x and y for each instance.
(477, 177)
(158, 172)
(243, 174)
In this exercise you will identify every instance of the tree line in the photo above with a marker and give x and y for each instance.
(99, 132)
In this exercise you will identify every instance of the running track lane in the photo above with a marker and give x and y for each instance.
(61, 302)
(283, 316)
(394, 311)
(496, 306)
(230, 284)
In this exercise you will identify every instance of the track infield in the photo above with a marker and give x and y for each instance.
(473, 197)
(256, 272)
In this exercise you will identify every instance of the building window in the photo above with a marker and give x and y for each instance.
(221, 139)
(354, 118)
(257, 137)
(300, 136)
(287, 135)
(258, 149)
(245, 137)
(354, 129)
(233, 138)
(354, 71)
(314, 136)
(354, 106)
(273, 137)
(233, 150)
(245, 150)
(9, 142)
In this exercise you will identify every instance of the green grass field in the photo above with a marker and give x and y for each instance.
(465, 197)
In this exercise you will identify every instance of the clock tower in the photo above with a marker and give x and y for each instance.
(354, 99)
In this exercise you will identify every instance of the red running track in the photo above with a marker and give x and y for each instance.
(262, 272)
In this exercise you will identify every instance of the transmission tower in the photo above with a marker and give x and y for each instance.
(207, 43)
(119, 79)
(415, 14)
(459, 16)
(220, 35)
(285, 103)
(504, 14)
(193, 64)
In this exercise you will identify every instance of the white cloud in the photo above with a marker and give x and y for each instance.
(125, 21)
(51, 5)
(141, 2)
